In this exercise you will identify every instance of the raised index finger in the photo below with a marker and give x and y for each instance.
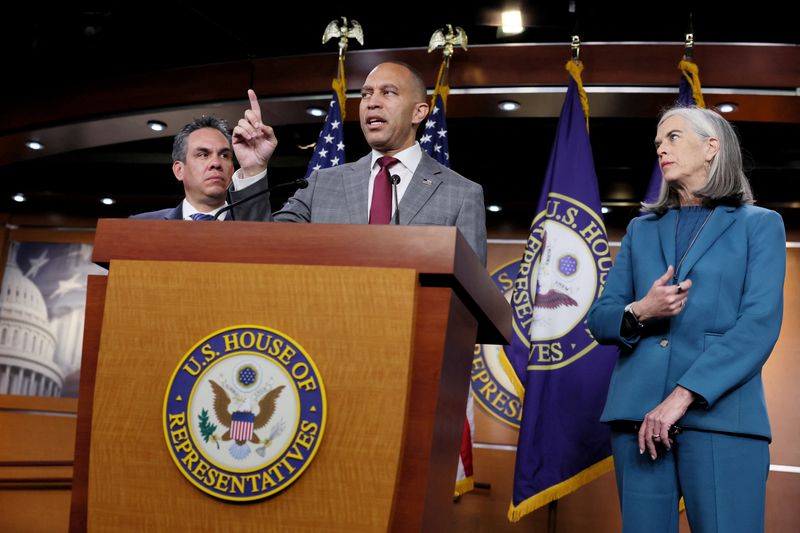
(251, 94)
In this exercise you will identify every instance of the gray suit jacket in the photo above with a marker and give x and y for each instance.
(436, 196)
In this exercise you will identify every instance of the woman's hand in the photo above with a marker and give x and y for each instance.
(655, 428)
(663, 300)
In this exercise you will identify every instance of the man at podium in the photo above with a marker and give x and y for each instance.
(397, 183)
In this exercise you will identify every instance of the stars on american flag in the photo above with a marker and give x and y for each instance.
(329, 150)
(434, 138)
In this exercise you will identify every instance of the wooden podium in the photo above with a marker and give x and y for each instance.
(389, 314)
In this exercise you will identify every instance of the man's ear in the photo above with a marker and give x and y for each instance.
(177, 169)
(420, 112)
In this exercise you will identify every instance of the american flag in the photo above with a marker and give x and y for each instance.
(434, 138)
(329, 150)
(434, 142)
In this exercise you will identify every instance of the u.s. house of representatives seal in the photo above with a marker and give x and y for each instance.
(244, 413)
(563, 271)
(490, 384)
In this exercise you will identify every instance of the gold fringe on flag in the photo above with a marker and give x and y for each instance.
(575, 67)
(442, 85)
(340, 86)
(690, 71)
(562, 489)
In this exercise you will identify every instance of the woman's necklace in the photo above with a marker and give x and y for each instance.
(691, 243)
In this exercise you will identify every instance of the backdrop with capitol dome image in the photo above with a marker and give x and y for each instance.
(42, 305)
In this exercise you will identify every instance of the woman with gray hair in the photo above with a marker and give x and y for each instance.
(695, 317)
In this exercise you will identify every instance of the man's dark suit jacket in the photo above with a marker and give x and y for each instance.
(255, 210)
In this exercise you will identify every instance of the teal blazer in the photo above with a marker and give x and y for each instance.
(718, 344)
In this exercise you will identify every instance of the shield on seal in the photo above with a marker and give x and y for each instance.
(242, 425)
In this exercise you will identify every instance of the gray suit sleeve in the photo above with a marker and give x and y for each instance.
(298, 207)
(256, 210)
(471, 221)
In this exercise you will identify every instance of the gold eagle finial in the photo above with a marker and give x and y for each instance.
(343, 32)
(448, 40)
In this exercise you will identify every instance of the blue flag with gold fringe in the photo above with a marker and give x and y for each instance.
(689, 94)
(559, 370)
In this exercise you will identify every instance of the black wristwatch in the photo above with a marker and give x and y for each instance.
(630, 321)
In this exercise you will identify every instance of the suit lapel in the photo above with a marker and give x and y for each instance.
(424, 182)
(356, 188)
(720, 220)
(666, 235)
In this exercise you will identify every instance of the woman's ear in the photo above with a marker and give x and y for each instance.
(712, 148)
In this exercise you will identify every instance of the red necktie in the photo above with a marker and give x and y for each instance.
(380, 212)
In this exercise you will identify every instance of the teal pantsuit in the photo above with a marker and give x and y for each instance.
(716, 348)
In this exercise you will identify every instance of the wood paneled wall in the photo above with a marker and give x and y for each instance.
(36, 453)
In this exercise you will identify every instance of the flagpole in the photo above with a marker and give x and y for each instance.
(434, 143)
(329, 148)
(344, 32)
(552, 507)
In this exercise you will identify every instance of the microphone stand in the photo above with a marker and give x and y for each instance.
(395, 179)
(301, 183)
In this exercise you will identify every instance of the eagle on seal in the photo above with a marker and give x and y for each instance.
(243, 422)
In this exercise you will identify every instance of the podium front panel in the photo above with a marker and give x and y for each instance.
(355, 323)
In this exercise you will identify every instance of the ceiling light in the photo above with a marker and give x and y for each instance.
(604, 210)
(508, 105)
(34, 145)
(494, 208)
(156, 125)
(511, 21)
(19, 197)
(107, 201)
(727, 107)
(315, 111)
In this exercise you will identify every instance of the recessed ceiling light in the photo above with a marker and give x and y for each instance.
(727, 107)
(19, 197)
(315, 111)
(511, 22)
(34, 145)
(508, 105)
(494, 208)
(156, 125)
(107, 201)
(605, 210)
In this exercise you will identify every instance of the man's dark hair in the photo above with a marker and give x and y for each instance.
(179, 145)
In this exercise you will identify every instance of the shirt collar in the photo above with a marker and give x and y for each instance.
(409, 158)
(188, 210)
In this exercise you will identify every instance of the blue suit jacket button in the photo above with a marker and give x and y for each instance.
(664, 342)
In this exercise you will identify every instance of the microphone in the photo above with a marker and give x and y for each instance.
(395, 179)
(301, 183)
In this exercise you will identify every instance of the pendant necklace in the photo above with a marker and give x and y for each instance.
(691, 243)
